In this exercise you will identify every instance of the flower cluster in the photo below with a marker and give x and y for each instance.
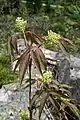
(46, 78)
(52, 40)
(20, 24)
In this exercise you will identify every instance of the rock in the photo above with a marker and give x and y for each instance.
(12, 101)
(3, 95)
(21, 45)
(64, 71)
(75, 62)
(49, 54)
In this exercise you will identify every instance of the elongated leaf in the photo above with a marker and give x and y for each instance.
(37, 39)
(23, 66)
(63, 50)
(41, 58)
(28, 36)
(66, 86)
(66, 91)
(59, 95)
(33, 38)
(14, 43)
(52, 101)
(54, 94)
(12, 46)
(36, 61)
(54, 86)
(10, 51)
(27, 83)
(65, 99)
(8, 43)
(37, 36)
(20, 59)
(35, 97)
(17, 64)
(70, 42)
(74, 109)
(67, 40)
(42, 103)
(56, 83)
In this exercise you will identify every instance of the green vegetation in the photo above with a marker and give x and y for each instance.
(52, 40)
(60, 16)
(4, 59)
(46, 78)
(6, 76)
(20, 24)
(61, 20)
(7, 28)
(0, 116)
(55, 97)
(24, 115)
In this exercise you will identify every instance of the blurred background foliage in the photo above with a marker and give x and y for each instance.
(62, 17)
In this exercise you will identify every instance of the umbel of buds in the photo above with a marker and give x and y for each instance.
(46, 78)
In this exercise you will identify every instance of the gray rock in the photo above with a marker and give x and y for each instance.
(4, 95)
(75, 62)
(12, 101)
(64, 71)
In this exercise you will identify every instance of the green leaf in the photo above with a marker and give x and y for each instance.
(66, 86)
(42, 103)
(54, 94)
(25, 85)
(54, 86)
(65, 90)
(65, 99)
(54, 103)
(36, 96)
(74, 109)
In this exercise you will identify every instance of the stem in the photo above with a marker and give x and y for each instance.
(30, 90)
(25, 42)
